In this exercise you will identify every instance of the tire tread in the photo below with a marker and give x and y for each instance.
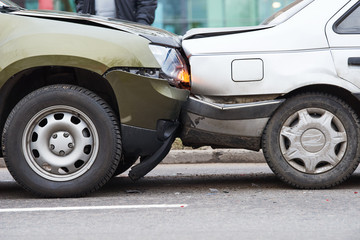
(111, 115)
(267, 148)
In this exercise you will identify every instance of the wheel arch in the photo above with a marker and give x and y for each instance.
(26, 81)
(339, 92)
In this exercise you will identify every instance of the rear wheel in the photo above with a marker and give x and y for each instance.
(312, 141)
(62, 141)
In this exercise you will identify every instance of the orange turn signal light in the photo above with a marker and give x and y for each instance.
(184, 78)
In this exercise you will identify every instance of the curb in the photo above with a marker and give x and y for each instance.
(206, 156)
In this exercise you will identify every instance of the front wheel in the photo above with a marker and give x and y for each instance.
(62, 141)
(312, 141)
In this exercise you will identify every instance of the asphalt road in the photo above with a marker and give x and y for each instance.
(199, 201)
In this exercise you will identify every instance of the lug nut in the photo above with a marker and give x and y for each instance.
(66, 135)
(54, 136)
(52, 147)
(71, 145)
(61, 153)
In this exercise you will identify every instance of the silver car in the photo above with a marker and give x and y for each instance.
(290, 86)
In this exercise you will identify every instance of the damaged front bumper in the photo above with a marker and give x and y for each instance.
(144, 103)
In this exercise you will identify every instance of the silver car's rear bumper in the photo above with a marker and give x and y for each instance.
(225, 125)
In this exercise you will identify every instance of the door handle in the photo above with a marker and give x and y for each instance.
(354, 61)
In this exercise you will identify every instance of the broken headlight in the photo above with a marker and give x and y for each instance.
(172, 65)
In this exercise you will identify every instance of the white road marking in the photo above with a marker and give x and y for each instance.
(44, 209)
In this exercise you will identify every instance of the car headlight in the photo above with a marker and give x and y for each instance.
(172, 65)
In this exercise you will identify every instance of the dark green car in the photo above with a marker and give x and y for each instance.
(81, 98)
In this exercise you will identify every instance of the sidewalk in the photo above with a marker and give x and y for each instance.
(207, 156)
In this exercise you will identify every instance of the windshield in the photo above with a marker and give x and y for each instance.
(287, 12)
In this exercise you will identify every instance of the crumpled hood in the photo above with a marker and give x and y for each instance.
(155, 35)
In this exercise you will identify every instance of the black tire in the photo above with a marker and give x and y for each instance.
(62, 141)
(312, 141)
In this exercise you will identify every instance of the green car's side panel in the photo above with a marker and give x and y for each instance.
(142, 100)
(31, 41)
(51, 60)
(110, 58)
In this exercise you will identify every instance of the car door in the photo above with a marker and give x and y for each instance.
(343, 33)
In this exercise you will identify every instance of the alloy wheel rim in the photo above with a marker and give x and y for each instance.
(60, 143)
(313, 140)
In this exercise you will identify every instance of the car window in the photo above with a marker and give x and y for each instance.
(287, 12)
(2, 3)
(350, 22)
(7, 3)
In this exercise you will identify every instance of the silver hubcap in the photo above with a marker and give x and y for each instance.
(313, 140)
(60, 143)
